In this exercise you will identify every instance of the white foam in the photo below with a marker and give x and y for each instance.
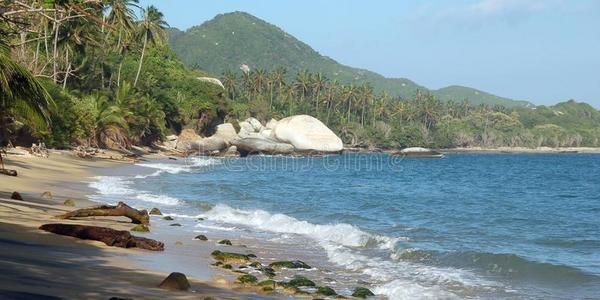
(160, 199)
(186, 166)
(343, 234)
(111, 185)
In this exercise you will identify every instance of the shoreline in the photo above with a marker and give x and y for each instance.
(55, 264)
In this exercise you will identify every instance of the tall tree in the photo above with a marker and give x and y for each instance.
(151, 29)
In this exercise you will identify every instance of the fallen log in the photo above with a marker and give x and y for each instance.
(8, 172)
(121, 210)
(111, 237)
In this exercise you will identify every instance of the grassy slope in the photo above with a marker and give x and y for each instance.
(229, 40)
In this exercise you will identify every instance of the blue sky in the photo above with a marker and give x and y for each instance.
(543, 51)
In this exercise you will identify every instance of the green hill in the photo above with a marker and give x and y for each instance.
(232, 39)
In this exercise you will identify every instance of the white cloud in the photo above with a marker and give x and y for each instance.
(509, 7)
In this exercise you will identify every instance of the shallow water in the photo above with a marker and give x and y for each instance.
(465, 226)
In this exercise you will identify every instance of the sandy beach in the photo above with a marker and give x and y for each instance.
(40, 265)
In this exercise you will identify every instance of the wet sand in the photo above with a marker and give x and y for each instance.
(36, 264)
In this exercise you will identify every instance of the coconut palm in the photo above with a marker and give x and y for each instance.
(21, 94)
(151, 29)
(229, 82)
(122, 18)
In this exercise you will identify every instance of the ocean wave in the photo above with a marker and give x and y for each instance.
(509, 265)
(187, 165)
(160, 199)
(343, 234)
(111, 185)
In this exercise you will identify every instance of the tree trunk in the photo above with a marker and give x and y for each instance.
(111, 237)
(68, 69)
(121, 210)
(55, 52)
(137, 76)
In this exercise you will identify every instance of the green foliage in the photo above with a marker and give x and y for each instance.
(233, 39)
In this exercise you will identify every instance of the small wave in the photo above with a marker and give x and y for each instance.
(187, 166)
(215, 227)
(111, 185)
(343, 234)
(160, 199)
(510, 265)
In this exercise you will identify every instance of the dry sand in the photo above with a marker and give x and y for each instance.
(40, 265)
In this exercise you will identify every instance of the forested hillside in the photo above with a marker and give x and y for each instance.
(230, 40)
(88, 73)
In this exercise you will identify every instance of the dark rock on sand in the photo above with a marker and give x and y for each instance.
(326, 291)
(361, 292)
(155, 211)
(227, 266)
(69, 202)
(268, 282)
(225, 242)
(175, 224)
(201, 237)
(230, 257)
(247, 279)
(290, 264)
(301, 281)
(16, 196)
(255, 264)
(168, 218)
(111, 237)
(140, 228)
(175, 282)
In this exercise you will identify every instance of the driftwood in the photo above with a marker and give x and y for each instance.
(111, 237)
(8, 172)
(121, 210)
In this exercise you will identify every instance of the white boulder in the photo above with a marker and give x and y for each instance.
(307, 133)
(226, 131)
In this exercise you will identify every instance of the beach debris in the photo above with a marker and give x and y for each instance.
(299, 280)
(46, 194)
(326, 291)
(140, 228)
(39, 150)
(247, 279)
(362, 292)
(16, 196)
(175, 224)
(85, 152)
(201, 237)
(230, 257)
(69, 202)
(293, 264)
(175, 282)
(120, 210)
(155, 211)
(8, 172)
(225, 242)
(168, 218)
(111, 237)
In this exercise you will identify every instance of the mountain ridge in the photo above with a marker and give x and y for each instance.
(232, 39)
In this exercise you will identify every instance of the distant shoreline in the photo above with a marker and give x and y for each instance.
(489, 150)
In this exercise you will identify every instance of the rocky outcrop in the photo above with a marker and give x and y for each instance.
(307, 134)
(184, 139)
(212, 80)
(226, 132)
(175, 282)
(261, 145)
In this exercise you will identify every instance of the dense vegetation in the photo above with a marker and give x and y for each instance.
(363, 117)
(233, 39)
(90, 73)
(113, 80)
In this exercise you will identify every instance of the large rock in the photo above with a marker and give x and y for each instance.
(307, 133)
(262, 145)
(213, 143)
(250, 128)
(185, 137)
(226, 132)
(271, 124)
(175, 282)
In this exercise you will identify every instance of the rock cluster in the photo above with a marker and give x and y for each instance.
(301, 134)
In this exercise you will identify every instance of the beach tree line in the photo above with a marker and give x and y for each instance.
(366, 118)
(99, 73)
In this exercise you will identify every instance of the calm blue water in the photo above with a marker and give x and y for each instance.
(465, 226)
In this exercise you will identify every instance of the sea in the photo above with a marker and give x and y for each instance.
(465, 226)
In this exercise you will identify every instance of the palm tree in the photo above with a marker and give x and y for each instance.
(151, 29)
(365, 93)
(330, 94)
(21, 95)
(348, 94)
(229, 81)
(302, 84)
(318, 83)
(122, 17)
